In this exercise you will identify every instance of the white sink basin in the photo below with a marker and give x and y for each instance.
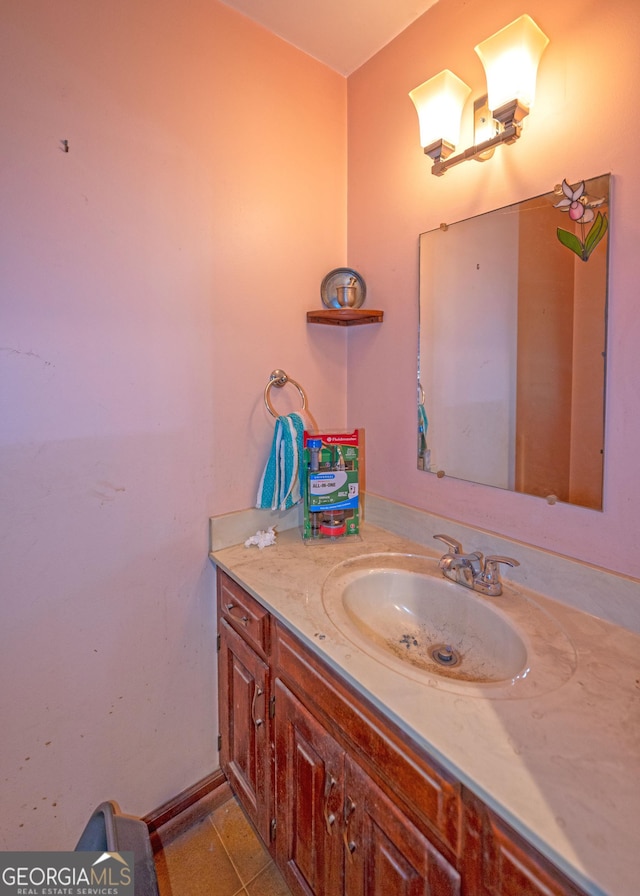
(400, 610)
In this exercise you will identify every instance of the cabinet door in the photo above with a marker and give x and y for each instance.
(498, 862)
(309, 781)
(385, 853)
(245, 754)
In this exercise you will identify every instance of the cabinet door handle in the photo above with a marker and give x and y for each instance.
(258, 692)
(329, 817)
(349, 809)
(243, 619)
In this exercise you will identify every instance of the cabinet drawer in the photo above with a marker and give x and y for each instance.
(244, 614)
(428, 793)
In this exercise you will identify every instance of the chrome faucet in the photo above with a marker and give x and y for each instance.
(472, 570)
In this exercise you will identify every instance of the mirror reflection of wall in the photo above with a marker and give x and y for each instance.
(512, 341)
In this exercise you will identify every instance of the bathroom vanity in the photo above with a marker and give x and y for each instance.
(360, 779)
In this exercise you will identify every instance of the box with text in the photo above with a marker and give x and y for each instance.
(331, 484)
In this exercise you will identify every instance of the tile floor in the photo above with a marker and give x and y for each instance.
(220, 855)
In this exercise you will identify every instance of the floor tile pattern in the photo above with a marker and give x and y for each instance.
(221, 855)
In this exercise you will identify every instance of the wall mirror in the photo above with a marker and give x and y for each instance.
(511, 347)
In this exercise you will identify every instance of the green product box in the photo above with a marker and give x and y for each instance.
(331, 484)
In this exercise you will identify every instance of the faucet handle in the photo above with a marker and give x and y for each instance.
(489, 581)
(493, 561)
(454, 546)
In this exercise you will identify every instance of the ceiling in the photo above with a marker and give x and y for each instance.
(343, 34)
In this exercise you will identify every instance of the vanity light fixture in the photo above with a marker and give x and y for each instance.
(439, 102)
(510, 59)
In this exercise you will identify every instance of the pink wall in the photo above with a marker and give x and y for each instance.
(151, 279)
(580, 127)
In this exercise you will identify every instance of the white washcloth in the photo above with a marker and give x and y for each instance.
(262, 538)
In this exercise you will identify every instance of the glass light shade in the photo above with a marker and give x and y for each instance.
(510, 59)
(439, 102)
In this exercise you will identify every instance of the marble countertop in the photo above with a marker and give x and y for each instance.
(563, 768)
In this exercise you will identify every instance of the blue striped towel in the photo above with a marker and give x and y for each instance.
(279, 486)
(423, 423)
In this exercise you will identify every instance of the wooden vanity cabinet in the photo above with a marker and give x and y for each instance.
(345, 803)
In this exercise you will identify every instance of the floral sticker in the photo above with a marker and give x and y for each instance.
(580, 208)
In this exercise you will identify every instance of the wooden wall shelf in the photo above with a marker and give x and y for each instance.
(345, 317)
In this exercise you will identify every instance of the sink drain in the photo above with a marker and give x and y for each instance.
(445, 655)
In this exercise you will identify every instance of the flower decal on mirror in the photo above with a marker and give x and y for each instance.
(580, 208)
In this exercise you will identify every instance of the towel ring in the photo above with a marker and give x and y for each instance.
(279, 378)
